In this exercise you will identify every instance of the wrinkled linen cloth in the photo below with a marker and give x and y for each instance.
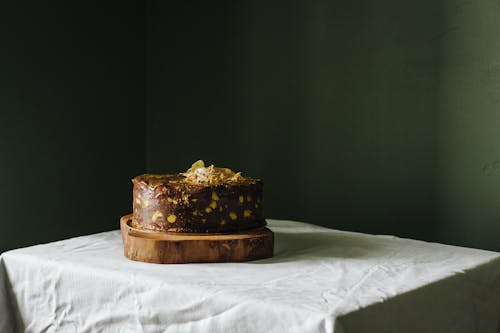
(320, 280)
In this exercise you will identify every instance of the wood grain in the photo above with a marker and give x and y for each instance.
(177, 248)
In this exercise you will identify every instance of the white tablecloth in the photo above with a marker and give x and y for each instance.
(320, 280)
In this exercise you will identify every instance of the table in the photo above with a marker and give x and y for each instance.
(320, 280)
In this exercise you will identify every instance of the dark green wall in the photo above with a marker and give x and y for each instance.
(332, 103)
(367, 116)
(72, 91)
(468, 151)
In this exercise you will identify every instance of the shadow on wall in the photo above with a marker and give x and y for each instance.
(332, 104)
(71, 92)
(366, 116)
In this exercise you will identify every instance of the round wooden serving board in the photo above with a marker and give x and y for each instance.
(181, 248)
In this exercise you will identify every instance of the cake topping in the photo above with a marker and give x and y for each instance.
(199, 174)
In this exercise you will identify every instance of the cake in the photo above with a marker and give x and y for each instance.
(200, 200)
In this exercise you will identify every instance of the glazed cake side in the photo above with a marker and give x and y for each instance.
(169, 203)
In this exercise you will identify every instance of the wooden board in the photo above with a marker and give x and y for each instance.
(177, 248)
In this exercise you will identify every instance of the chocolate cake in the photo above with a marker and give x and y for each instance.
(200, 200)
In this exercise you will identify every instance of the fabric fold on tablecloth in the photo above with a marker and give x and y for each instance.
(7, 317)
